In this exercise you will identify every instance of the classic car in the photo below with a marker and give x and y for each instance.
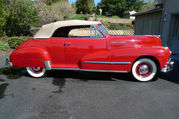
(88, 46)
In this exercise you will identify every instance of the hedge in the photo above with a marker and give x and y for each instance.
(4, 46)
(14, 42)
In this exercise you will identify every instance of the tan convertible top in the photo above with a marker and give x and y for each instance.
(46, 31)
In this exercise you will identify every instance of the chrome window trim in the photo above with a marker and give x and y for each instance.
(91, 26)
(98, 62)
(73, 38)
(102, 30)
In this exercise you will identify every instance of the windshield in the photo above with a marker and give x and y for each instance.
(101, 27)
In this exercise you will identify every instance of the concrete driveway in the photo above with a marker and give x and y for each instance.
(83, 95)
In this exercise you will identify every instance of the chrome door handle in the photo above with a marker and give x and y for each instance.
(67, 44)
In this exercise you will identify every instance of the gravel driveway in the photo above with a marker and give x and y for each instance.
(83, 95)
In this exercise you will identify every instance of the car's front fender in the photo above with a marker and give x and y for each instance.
(130, 55)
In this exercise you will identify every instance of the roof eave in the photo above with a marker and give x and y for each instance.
(148, 12)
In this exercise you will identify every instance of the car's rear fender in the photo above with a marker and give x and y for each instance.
(30, 57)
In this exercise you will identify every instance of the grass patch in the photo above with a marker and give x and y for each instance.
(4, 46)
(80, 17)
(101, 16)
(116, 17)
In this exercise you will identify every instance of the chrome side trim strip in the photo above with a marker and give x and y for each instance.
(48, 65)
(90, 70)
(112, 71)
(120, 62)
(98, 62)
(76, 69)
(117, 42)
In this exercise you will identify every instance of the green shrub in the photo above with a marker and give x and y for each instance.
(14, 42)
(21, 15)
(80, 17)
(2, 19)
(4, 46)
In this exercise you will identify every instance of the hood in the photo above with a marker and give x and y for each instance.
(134, 41)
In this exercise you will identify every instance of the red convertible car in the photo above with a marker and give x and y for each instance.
(87, 46)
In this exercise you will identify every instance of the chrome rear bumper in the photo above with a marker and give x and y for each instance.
(169, 67)
(8, 62)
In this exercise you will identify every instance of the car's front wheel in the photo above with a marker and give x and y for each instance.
(36, 72)
(144, 70)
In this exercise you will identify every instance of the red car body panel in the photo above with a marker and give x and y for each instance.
(76, 53)
(80, 47)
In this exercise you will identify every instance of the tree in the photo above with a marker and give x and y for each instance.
(21, 16)
(118, 7)
(91, 5)
(57, 11)
(148, 5)
(50, 2)
(85, 6)
(2, 18)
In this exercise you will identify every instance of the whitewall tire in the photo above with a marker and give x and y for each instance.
(36, 72)
(144, 70)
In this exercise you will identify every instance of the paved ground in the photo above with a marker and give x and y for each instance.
(82, 95)
(2, 60)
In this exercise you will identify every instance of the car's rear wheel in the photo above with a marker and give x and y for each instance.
(36, 72)
(144, 70)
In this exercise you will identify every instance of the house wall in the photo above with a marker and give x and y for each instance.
(171, 7)
(164, 23)
(148, 24)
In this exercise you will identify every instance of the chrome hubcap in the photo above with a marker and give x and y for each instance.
(143, 69)
(36, 70)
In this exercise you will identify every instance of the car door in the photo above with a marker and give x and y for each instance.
(85, 41)
(55, 48)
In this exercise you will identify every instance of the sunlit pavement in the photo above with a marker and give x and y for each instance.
(83, 95)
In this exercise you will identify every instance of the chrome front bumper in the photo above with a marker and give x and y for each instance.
(169, 67)
(8, 62)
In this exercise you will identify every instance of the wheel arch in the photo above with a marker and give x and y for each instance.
(149, 57)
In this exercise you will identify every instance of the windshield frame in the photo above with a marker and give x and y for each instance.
(103, 30)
